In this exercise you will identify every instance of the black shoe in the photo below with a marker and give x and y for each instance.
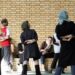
(37, 69)
(63, 72)
(24, 71)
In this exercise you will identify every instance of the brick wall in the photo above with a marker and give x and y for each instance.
(42, 15)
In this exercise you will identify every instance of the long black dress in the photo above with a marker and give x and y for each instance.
(67, 53)
(31, 50)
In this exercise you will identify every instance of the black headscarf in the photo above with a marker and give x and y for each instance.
(25, 25)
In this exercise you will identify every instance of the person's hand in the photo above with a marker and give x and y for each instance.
(29, 41)
(44, 52)
(67, 37)
(2, 39)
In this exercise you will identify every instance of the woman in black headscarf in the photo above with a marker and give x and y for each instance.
(65, 31)
(29, 39)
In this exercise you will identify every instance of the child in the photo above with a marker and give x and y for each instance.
(21, 50)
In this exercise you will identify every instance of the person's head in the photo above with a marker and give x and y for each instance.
(63, 16)
(49, 40)
(4, 22)
(25, 25)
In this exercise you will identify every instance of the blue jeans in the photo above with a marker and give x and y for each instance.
(6, 54)
(59, 70)
(42, 59)
(55, 60)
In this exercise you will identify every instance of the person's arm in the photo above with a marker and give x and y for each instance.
(42, 46)
(7, 36)
(22, 38)
(67, 37)
(57, 31)
(72, 35)
(35, 38)
(30, 41)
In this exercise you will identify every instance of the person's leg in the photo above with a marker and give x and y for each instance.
(58, 71)
(42, 59)
(6, 56)
(24, 71)
(73, 69)
(53, 65)
(63, 71)
(37, 68)
(0, 59)
(2, 54)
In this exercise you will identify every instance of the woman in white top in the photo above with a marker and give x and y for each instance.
(56, 45)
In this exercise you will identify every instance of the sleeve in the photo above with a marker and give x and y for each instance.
(35, 35)
(56, 38)
(7, 36)
(57, 31)
(22, 38)
(42, 45)
(73, 33)
(8, 32)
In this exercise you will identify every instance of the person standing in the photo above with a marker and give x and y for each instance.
(5, 42)
(56, 46)
(65, 31)
(29, 39)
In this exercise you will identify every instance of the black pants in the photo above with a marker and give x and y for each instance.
(55, 59)
(0, 59)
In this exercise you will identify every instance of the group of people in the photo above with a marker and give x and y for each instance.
(50, 48)
(63, 44)
(65, 33)
(65, 39)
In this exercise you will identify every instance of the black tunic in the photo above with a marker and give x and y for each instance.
(67, 53)
(31, 50)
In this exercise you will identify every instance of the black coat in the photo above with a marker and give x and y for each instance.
(67, 53)
(31, 50)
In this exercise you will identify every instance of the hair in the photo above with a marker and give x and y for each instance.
(25, 25)
(4, 22)
(50, 37)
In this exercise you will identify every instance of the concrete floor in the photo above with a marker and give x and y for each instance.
(32, 73)
(45, 73)
(4, 67)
